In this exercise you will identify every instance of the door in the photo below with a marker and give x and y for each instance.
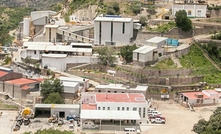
(198, 13)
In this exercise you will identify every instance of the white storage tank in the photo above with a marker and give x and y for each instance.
(26, 27)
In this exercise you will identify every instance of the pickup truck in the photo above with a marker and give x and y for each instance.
(154, 113)
(158, 120)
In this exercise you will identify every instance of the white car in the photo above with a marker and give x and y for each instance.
(158, 120)
(153, 113)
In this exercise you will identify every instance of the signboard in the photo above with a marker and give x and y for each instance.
(165, 96)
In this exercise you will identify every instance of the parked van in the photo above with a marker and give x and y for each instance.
(129, 130)
(88, 124)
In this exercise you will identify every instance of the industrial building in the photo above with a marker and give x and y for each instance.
(135, 103)
(113, 31)
(60, 110)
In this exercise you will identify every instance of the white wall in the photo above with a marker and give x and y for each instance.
(53, 35)
(96, 32)
(34, 54)
(134, 56)
(196, 10)
(71, 89)
(58, 64)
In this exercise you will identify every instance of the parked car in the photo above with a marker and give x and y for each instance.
(156, 116)
(154, 113)
(88, 124)
(158, 120)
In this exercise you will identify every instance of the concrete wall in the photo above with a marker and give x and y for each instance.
(58, 64)
(53, 36)
(68, 111)
(11, 76)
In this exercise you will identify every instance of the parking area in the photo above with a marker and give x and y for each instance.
(7, 120)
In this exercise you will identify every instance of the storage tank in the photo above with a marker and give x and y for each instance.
(26, 27)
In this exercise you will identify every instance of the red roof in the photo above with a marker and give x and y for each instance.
(192, 95)
(89, 106)
(120, 97)
(21, 81)
(2, 73)
(25, 87)
(40, 79)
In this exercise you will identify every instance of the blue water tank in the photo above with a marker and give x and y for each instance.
(112, 16)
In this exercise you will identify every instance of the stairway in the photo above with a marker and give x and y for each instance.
(175, 60)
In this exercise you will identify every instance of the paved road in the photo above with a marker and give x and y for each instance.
(7, 121)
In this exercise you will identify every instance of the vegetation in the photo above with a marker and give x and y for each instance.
(10, 18)
(78, 4)
(200, 65)
(7, 106)
(212, 126)
(56, 7)
(143, 20)
(166, 27)
(165, 64)
(135, 7)
(51, 86)
(127, 52)
(217, 36)
(7, 60)
(50, 131)
(106, 55)
(182, 21)
(54, 98)
(151, 9)
(213, 7)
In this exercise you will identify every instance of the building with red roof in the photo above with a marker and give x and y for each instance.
(19, 88)
(199, 98)
(120, 102)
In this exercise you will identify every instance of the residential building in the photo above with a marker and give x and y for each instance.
(113, 31)
(71, 89)
(192, 10)
(21, 87)
(60, 110)
(206, 97)
(116, 102)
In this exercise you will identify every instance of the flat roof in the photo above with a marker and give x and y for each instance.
(218, 89)
(144, 49)
(120, 97)
(70, 84)
(156, 39)
(37, 43)
(57, 106)
(3, 73)
(80, 44)
(109, 114)
(22, 81)
(51, 26)
(192, 95)
(141, 88)
(113, 19)
(72, 79)
(89, 106)
(36, 47)
(55, 55)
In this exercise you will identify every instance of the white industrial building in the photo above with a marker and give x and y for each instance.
(60, 110)
(51, 54)
(113, 31)
(129, 102)
(152, 49)
(83, 83)
(192, 10)
(120, 88)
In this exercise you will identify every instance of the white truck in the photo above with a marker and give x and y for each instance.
(158, 120)
(89, 124)
(154, 112)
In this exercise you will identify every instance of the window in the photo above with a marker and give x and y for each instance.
(108, 108)
(144, 112)
(87, 99)
(100, 32)
(103, 108)
(49, 34)
(35, 52)
(111, 31)
(127, 108)
(99, 108)
(122, 108)
(134, 109)
(189, 12)
(123, 30)
(140, 111)
(118, 108)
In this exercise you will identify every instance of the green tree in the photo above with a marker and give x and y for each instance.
(182, 21)
(50, 131)
(212, 126)
(54, 98)
(51, 86)
(106, 55)
(127, 52)
(135, 7)
(143, 20)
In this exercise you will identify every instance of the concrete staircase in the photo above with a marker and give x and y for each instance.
(175, 60)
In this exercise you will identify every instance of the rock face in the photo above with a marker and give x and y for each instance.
(40, 4)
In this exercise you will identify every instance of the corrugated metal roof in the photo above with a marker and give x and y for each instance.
(109, 114)
(156, 39)
(70, 84)
(144, 49)
(113, 19)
